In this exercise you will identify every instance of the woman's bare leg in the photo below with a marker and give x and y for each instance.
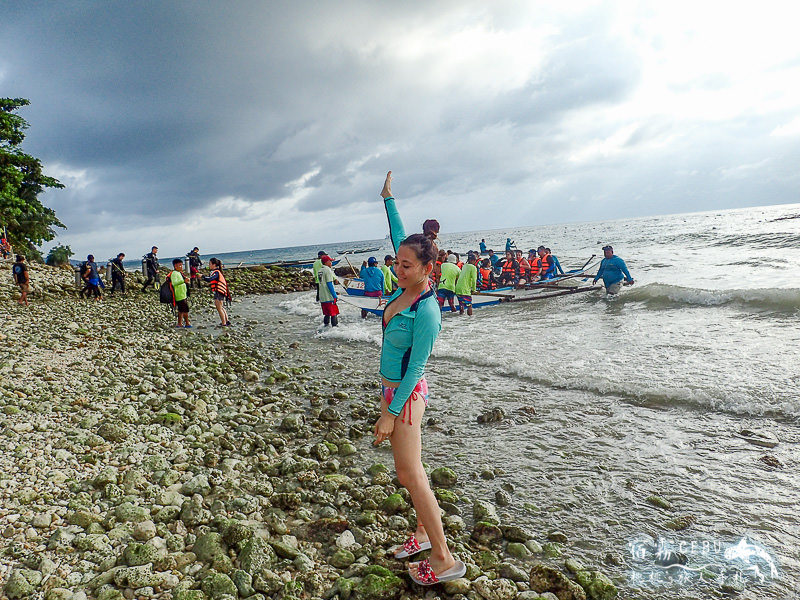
(407, 449)
(223, 315)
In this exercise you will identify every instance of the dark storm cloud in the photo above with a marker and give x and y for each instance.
(153, 112)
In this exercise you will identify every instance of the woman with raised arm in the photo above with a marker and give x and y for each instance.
(411, 323)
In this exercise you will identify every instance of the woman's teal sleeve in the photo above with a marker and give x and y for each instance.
(427, 326)
(396, 229)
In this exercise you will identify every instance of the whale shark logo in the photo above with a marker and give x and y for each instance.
(744, 552)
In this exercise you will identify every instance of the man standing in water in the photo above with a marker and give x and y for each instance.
(612, 271)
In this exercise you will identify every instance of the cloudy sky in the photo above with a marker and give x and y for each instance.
(242, 125)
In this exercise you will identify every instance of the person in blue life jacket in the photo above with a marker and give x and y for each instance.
(482, 246)
(510, 244)
(373, 280)
(612, 271)
(411, 322)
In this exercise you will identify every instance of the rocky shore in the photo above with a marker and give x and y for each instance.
(142, 461)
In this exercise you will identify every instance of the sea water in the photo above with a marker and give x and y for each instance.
(610, 401)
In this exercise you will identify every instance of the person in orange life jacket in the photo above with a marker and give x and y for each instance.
(327, 294)
(411, 323)
(547, 268)
(373, 280)
(556, 264)
(524, 268)
(509, 273)
(486, 279)
(220, 288)
(535, 263)
(436, 275)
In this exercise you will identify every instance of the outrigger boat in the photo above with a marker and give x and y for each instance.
(358, 250)
(297, 264)
(564, 285)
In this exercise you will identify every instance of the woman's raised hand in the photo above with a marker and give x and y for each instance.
(386, 192)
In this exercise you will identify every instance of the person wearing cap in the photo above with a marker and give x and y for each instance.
(151, 266)
(612, 271)
(315, 269)
(327, 293)
(389, 277)
(467, 284)
(91, 278)
(447, 284)
(373, 280)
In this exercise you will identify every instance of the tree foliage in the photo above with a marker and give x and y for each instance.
(59, 256)
(29, 223)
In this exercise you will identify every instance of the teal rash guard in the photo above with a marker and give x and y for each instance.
(408, 338)
(612, 270)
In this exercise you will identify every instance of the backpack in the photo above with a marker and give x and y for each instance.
(166, 295)
(84, 268)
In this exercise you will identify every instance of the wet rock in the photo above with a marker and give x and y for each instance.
(518, 550)
(548, 579)
(557, 536)
(681, 522)
(394, 504)
(771, 461)
(485, 511)
(596, 585)
(486, 533)
(493, 416)
(512, 572)
(444, 477)
(378, 584)
(499, 589)
(659, 502)
(515, 533)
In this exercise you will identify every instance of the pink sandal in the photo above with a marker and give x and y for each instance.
(428, 577)
(412, 547)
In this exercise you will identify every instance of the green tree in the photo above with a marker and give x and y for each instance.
(59, 256)
(27, 221)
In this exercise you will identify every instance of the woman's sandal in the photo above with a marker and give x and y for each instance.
(428, 577)
(412, 547)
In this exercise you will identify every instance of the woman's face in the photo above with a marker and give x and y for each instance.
(410, 270)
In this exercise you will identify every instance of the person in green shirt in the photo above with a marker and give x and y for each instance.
(179, 292)
(315, 269)
(389, 278)
(467, 284)
(447, 284)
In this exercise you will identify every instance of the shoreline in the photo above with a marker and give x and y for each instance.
(149, 462)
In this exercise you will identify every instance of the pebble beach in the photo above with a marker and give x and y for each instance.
(143, 461)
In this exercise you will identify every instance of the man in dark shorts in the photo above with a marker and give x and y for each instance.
(194, 267)
(180, 293)
(19, 271)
